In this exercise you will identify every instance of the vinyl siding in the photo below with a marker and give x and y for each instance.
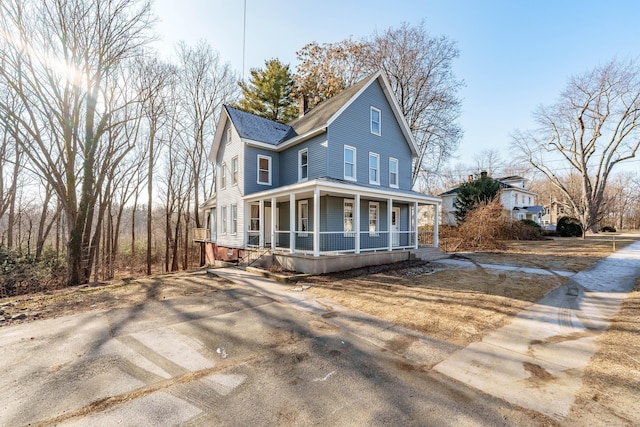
(317, 161)
(352, 128)
(232, 194)
(251, 170)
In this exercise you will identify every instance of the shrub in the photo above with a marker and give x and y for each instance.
(22, 274)
(526, 229)
(568, 227)
(609, 229)
(483, 228)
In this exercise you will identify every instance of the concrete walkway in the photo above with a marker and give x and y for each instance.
(528, 270)
(537, 361)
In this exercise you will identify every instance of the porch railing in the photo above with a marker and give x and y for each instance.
(343, 242)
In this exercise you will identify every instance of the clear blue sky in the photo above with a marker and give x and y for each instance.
(514, 55)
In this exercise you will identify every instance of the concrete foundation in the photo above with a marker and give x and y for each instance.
(339, 262)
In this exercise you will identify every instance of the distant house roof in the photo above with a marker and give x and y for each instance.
(501, 181)
(530, 209)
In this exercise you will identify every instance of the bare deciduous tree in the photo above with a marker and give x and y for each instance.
(419, 68)
(592, 128)
(57, 59)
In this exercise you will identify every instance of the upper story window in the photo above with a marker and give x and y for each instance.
(264, 170)
(303, 164)
(393, 172)
(374, 168)
(376, 125)
(234, 171)
(223, 176)
(229, 135)
(349, 163)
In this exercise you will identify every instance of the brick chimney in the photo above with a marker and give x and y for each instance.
(303, 105)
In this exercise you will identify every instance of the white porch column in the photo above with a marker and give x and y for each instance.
(389, 232)
(356, 222)
(292, 223)
(242, 226)
(274, 212)
(436, 209)
(415, 225)
(262, 224)
(316, 222)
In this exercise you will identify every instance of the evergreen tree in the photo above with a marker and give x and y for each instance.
(268, 92)
(473, 193)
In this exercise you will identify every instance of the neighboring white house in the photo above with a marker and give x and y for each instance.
(514, 196)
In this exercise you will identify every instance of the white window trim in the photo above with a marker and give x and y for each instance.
(394, 160)
(377, 156)
(270, 168)
(223, 220)
(377, 206)
(233, 217)
(223, 176)
(379, 133)
(344, 163)
(253, 219)
(234, 173)
(304, 233)
(229, 135)
(351, 233)
(300, 177)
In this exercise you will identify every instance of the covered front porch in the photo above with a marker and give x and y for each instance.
(326, 217)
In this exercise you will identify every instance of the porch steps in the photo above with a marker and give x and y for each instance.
(427, 254)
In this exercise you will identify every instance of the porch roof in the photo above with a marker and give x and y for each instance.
(332, 186)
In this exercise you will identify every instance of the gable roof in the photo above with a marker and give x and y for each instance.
(256, 128)
(278, 136)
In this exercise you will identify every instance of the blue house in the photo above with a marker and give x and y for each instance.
(328, 191)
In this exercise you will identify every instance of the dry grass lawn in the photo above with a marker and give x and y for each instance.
(462, 305)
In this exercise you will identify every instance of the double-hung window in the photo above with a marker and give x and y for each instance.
(255, 217)
(376, 118)
(264, 170)
(374, 168)
(223, 220)
(374, 209)
(234, 171)
(303, 164)
(223, 176)
(349, 163)
(348, 218)
(234, 219)
(393, 172)
(303, 218)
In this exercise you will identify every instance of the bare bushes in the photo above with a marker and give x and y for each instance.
(486, 228)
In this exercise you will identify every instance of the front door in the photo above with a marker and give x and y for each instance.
(395, 226)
